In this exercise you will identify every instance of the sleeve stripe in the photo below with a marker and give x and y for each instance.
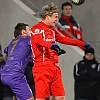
(77, 70)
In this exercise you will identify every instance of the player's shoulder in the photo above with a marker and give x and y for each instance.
(24, 38)
(36, 26)
(37, 29)
(80, 62)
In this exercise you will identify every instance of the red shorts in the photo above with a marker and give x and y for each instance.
(48, 81)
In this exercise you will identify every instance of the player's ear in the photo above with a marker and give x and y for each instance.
(47, 17)
(23, 32)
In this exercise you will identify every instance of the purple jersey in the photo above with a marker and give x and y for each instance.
(19, 53)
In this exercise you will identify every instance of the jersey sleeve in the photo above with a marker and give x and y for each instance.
(37, 37)
(69, 41)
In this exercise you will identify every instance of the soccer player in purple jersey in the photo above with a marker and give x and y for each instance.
(19, 53)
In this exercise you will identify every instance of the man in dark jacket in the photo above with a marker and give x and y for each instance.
(87, 77)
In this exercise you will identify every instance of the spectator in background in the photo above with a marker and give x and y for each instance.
(68, 22)
(87, 77)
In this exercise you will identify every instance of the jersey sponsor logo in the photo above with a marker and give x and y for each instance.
(48, 35)
(49, 39)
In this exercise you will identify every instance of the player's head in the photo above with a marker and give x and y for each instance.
(66, 9)
(50, 14)
(21, 29)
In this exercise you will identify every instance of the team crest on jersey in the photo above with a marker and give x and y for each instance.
(78, 36)
(93, 66)
(37, 31)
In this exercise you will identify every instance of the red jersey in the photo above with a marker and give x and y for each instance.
(42, 37)
(71, 26)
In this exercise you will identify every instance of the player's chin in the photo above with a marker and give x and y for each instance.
(53, 24)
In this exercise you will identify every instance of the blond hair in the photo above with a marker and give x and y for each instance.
(49, 10)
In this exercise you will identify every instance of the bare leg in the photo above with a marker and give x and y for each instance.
(40, 99)
(14, 98)
(32, 98)
(60, 98)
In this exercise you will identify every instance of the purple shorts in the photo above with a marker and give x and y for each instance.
(18, 83)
